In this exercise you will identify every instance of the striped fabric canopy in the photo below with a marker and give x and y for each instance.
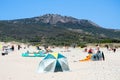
(54, 62)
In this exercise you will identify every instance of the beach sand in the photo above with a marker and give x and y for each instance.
(15, 67)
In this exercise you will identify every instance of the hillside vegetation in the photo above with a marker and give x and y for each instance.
(55, 29)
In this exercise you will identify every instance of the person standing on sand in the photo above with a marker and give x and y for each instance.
(12, 48)
(114, 50)
(19, 47)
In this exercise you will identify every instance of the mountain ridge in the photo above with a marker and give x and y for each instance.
(54, 18)
(57, 26)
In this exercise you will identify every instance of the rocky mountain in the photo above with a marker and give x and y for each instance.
(56, 29)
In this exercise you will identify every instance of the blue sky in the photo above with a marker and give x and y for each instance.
(105, 13)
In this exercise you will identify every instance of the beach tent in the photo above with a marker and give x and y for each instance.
(53, 62)
(98, 56)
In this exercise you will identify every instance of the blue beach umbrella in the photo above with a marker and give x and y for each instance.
(53, 62)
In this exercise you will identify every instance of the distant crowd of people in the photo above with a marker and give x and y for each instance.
(47, 48)
(111, 48)
(91, 50)
(5, 49)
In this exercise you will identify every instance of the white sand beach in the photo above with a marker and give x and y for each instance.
(15, 67)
